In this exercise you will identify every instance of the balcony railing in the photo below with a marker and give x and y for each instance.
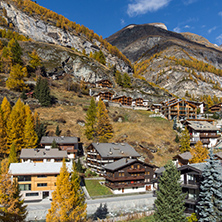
(130, 185)
(209, 135)
(132, 178)
(135, 170)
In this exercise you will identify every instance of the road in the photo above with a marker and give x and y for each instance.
(124, 204)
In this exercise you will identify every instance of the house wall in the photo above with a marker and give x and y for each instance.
(131, 190)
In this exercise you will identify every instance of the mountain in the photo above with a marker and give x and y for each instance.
(178, 62)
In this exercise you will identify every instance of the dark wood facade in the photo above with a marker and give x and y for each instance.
(138, 102)
(104, 84)
(124, 100)
(104, 96)
(129, 174)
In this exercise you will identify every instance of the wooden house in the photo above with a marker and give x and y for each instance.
(216, 108)
(182, 159)
(104, 83)
(99, 154)
(70, 144)
(124, 100)
(103, 96)
(42, 155)
(178, 108)
(138, 102)
(155, 107)
(36, 181)
(129, 175)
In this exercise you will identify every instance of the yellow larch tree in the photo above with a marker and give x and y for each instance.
(11, 205)
(104, 129)
(35, 60)
(68, 203)
(15, 126)
(30, 136)
(3, 136)
(199, 153)
(6, 109)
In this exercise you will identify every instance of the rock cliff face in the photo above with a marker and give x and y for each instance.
(43, 31)
(151, 47)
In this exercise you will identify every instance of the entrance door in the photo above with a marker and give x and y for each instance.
(122, 190)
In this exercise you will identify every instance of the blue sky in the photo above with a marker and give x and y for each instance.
(105, 17)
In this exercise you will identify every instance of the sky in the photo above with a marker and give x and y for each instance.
(105, 17)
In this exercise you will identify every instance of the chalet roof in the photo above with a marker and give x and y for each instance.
(59, 140)
(219, 155)
(202, 126)
(117, 97)
(184, 156)
(37, 168)
(39, 153)
(160, 170)
(115, 150)
(119, 164)
(218, 145)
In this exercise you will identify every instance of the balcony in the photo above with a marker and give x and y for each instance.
(130, 185)
(135, 170)
(209, 135)
(133, 178)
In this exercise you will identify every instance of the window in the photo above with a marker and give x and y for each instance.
(32, 194)
(121, 174)
(41, 184)
(132, 167)
(41, 176)
(24, 178)
(138, 166)
(24, 187)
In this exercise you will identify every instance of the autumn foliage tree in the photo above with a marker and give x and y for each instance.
(185, 141)
(199, 153)
(35, 60)
(11, 205)
(68, 202)
(104, 129)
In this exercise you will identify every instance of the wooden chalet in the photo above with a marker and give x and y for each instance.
(99, 154)
(129, 175)
(124, 100)
(105, 83)
(182, 159)
(178, 108)
(138, 102)
(70, 144)
(203, 131)
(104, 96)
(155, 107)
(216, 108)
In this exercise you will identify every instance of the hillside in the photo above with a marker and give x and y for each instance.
(177, 62)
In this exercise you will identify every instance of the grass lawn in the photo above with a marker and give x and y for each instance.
(144, 219)
(95, 189)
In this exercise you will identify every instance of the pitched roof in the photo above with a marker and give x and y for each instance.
(202, 126)
(119, 164)
(39, 153)
(115, 150)
(184, 156)
(59, 140)
(37, 168)
(219, 154)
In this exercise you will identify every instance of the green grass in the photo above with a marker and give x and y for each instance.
(95, 189)
(144, 219)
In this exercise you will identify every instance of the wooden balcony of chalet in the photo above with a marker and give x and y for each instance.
(190, 184)
(209, 135)
(130, 170)
(131, 178)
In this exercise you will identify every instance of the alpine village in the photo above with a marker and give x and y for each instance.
(126, 128)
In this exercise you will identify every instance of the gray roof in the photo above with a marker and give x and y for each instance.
(219, 154)
(202, 126)
(160, 170)
(39, 153)
(119, 164)
(185, 156)
(37, 168)
(59, 140)
(115, 150)
(219, 144)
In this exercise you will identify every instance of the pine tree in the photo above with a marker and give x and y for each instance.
(11, 205)
(58, 131)
(104, 129)
(185, 141)
(79, 166)
(199, 153)
(15, 51)
(30, 136)
(54, 144)
(209, 206)
(12, 155)
(42, 92)
(126, 81)
(170, 198)
(68, 202)
(90, 120)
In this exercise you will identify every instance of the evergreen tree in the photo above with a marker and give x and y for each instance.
(11, 205)
(79, 166)
(12, 155)
(104, 129)
(58, 131)
(30, 136)
(23, 95)
(15, 51)
(170, 198)
(199, 153)
(101, 212)
(185, 141)
(209, 207)
(126, 80)
(54, 144)
(90, 120)
(118, 78)
(42, 92)
(68, 202)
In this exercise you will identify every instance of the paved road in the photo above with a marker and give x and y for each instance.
(139, 202)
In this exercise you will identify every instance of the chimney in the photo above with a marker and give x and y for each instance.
(126, 160)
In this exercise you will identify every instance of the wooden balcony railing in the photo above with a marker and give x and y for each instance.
(135, 170)
(132, 178)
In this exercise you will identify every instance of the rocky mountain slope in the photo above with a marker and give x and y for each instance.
(177, 62)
